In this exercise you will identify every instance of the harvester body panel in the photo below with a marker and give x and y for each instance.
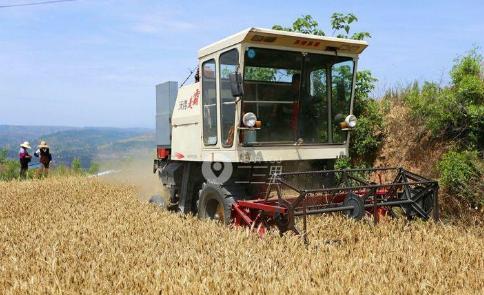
(186, 124)
(166, 94)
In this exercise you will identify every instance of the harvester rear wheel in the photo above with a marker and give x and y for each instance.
(215, 203)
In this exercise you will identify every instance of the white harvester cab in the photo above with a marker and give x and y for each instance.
(263, 95)
(264, 102)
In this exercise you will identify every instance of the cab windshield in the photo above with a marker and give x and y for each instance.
(299, 98)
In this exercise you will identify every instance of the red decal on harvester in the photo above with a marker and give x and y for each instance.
(189, 103)
(194, 99)
(306, 43)
(179, 156)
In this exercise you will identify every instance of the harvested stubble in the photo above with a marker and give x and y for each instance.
(72, 235)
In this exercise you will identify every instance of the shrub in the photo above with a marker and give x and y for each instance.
(76, 165)
(342, 163)
(368, 134)
(455, 111)
(3, 155)
(94, 168)
(9, 169)
(469, 65)
(365, 84)
(460, 173)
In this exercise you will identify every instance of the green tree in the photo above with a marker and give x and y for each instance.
(305, 24)
(340, 24)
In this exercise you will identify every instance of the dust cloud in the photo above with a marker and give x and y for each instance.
(136, 170)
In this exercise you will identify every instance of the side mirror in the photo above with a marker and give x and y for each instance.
(236, 84)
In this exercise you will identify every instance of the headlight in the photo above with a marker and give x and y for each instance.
(351, 121)
(249, 119)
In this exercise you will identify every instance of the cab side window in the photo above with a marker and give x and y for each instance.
(209, 102)
(229, 62)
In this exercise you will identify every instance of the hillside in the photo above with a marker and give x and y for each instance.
(433, 129)
(408, 145)
(88, 144)
(97, 144)
(12, 135)
(79, 235)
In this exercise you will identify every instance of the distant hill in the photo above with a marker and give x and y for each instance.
(11, 136)
(88, 144)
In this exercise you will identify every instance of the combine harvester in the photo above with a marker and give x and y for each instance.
(254, 140)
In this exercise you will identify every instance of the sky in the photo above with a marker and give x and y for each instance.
(96, 62)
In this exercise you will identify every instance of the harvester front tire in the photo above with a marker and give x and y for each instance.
(215, 203)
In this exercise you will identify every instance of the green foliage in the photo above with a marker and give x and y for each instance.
(340, 23)
(3, 155)
(94, 168)
(365, 84)
(467, 66)
(305, 24)
(342, 163)
(76, 165)
(460, 173)
(260, 74)
(456, 111)
(475, 118)
(368, 134)
(9, 169)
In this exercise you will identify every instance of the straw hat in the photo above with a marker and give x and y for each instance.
(26, 145)
(43, 144)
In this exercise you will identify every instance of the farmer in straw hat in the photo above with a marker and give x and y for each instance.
(45, 157)
(24, 158)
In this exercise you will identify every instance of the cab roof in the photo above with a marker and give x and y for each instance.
(287, 39)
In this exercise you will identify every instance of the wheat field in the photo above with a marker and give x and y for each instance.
(80, 235)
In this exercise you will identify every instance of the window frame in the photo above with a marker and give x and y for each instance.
(220, 97)
(202, 76)
(352, 57)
